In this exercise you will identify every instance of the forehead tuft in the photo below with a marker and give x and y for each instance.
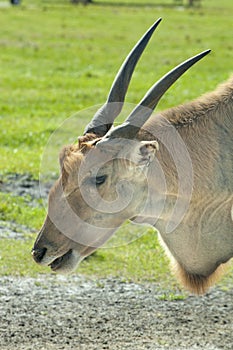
(86, 142)
(72, 155)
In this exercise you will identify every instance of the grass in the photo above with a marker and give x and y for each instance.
(57, 59)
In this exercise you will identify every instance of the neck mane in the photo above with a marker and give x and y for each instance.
(216, 106)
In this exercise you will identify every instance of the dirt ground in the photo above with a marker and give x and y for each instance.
(55, 312)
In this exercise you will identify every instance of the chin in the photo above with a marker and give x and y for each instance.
(66, 263)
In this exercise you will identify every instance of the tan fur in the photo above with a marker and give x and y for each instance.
(193, 116)
(72, 155)
(197, 284)
(214, 105)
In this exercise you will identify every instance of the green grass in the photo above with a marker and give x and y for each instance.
(19, 209)
(59, 59)
(56, 61)
(141, 260)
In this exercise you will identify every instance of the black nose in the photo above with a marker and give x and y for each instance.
(38, 254)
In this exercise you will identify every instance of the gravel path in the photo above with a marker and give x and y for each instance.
(55, 312)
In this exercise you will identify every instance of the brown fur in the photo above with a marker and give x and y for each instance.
(86, 142)
(192, 116)
(197, 284)
(72, 154)
(206, 106)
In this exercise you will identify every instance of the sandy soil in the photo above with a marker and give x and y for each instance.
(55, 312)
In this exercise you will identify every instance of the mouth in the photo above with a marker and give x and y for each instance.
(61, 261)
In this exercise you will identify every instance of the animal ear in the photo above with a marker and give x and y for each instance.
(146, 152)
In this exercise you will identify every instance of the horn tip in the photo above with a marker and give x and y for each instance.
(157, 22)
(206, 52)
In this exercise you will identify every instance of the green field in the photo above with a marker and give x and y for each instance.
(57, 59)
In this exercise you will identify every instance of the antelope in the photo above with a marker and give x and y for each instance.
(171, 170)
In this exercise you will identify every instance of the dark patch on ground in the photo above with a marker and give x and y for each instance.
(23, 186)
(13, 230)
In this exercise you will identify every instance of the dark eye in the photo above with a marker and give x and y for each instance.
(99, 180)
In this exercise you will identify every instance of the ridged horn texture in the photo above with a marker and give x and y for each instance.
(144, 109)
(105, 116)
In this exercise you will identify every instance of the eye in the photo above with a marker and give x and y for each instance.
(98, 180)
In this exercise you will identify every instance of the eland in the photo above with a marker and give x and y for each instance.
(171, 170)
